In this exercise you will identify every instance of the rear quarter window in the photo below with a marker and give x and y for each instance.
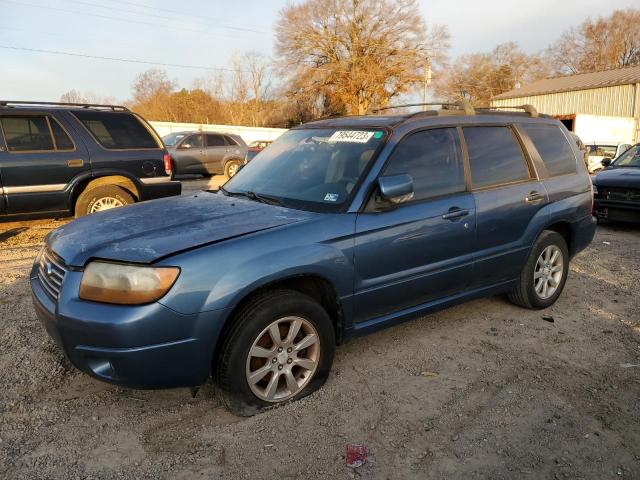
(495, 156)
(553, 147)
(116, 130)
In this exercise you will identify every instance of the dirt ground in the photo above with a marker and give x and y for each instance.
(482, 390)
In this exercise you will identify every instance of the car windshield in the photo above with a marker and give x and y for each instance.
(310, 169)
(173, 138)
(630, 158)
(602, 150)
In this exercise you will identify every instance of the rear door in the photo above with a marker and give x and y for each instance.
(422, 250)
(216, 151)
(507, 196)
(40, 161)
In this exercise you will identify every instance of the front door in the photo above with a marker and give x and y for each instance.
(507, 196)
(39, 163)
(416, 252)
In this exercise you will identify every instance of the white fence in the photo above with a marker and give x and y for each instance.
(248, 134)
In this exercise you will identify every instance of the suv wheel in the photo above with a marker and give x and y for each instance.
(543, 277)
(280, 348)
(103, 197)
(231, 168)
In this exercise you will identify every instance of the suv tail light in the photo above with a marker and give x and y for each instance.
(167, 163)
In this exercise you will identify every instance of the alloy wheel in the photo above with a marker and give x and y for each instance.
(283, 359)
(548, 272)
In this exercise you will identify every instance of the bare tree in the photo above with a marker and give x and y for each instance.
(598, 44)
(479, 76)
(74, 96)
(351, 55)
(248, 89)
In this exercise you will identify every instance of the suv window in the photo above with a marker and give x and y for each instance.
(230, 140)
(27, 133)
(433, 158)
(194, 141)
(215, 140)
(495, 156)
(553, 147)
(117, 130)
(31, 133)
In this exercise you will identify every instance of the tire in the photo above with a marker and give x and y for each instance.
(91, 199)
(230, 168)
(249, 332)
(526, 294)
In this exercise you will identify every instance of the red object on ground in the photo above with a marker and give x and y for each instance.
(356, 455)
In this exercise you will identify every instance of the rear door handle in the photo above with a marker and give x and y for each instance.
(455, 213)
(75, 162)
(534, 197)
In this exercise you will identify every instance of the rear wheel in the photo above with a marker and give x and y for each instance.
(101, 198)
(280, 348)
(543, 277)
(231, 168)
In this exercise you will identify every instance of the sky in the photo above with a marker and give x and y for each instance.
(206, 34)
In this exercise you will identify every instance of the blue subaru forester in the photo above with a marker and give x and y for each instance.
(340, 228)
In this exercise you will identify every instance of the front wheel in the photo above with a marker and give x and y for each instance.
(543, 277)
(280, 348)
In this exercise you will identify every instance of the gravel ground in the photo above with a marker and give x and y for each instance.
(482, 390)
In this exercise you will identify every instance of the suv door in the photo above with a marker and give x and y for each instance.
(507, 196)
(216, 151)
(416, 252)
(192, 155)
(40, 161)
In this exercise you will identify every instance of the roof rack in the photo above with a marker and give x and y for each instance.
(459, 105)
(530, 109)
(10, 103)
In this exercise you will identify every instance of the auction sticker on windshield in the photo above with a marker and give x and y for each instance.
(351, 136)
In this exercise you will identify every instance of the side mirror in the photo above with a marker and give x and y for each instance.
(396, 188)
(606, 161)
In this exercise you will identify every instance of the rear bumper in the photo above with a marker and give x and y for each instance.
(151, 191)
(583, 232)
(146, 346)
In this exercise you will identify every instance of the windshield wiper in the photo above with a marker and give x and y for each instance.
(253, 196)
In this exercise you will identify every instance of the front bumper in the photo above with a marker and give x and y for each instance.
(146, 346)
(617, 211)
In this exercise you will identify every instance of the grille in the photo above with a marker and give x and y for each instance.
(621, 194)
(51, 272)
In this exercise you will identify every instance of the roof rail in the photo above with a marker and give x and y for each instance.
(460, 105)
(530, 109)
(10, 103)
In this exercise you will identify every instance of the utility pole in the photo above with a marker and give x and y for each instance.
(426, 85)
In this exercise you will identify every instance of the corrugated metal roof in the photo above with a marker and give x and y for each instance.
(581, 81)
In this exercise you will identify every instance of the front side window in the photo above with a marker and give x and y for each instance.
(433, 159)
(553, 148)
(602, 150)
(630, 158)
(117, 130)
(311, 169)
(495, 156)
(194, 141)
(173, 139)
(27, 133)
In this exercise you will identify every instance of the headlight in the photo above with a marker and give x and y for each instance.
(126, 284)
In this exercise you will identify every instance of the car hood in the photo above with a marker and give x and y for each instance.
(623, 177)
(148, 231)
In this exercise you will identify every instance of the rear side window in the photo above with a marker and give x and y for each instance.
(117, 130)
(33, 133)
(553, 147)
(434, 161)
(230, 141)
(495, 156)
(215, 141)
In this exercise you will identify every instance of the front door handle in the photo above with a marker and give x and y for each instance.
(534, 197)
(455, 213)
(75, 162)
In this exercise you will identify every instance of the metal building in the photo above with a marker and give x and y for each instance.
(597, 106)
